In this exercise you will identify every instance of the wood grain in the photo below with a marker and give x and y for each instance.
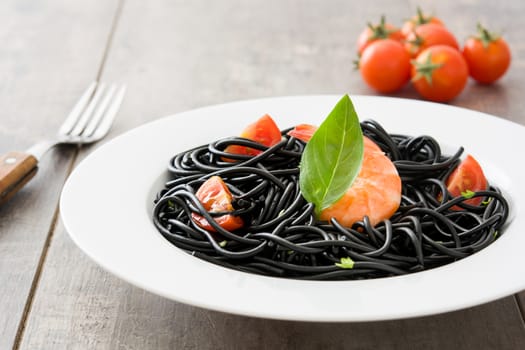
(51, 50)
(177, 55)
(16, 169)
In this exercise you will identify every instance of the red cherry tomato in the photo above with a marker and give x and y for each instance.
(379, 31)
(487, 55)
(439, 73)
(385, 65)
(263, 131)
(468, 176)
(428, 35)
(216, 197)
(419, 19)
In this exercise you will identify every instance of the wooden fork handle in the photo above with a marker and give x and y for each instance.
(16, 169)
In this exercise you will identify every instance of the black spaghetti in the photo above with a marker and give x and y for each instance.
(281, 236)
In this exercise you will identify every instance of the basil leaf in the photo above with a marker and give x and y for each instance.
(332, 158)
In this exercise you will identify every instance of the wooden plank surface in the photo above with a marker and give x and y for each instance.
(177, 55)
(89, 309)
(50, 51)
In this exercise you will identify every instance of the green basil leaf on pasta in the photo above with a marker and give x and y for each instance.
(333, 156)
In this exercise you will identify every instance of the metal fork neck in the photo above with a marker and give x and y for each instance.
(39, 149)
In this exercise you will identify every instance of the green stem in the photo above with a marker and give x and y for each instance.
(485, 36)
(425, 69)
(380, 31)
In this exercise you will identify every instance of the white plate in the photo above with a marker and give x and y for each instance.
(106, 208)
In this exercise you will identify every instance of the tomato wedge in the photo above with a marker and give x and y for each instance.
(263, 131)
(304, 132)
(216, 197)
(468, 176)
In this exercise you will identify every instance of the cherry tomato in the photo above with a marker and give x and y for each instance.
(373, 32)
(427, 35)
(439, 73)
(419, 19)
(385, 65)
(216, 197)
(468, 176)
(263, 131)
(487, 55)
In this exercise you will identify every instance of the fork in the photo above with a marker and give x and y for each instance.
(89, 121)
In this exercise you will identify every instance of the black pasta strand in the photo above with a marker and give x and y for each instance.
(281, 236)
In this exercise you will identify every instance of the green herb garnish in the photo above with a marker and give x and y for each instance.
(332, 158)
(468, 194)
(346, 263)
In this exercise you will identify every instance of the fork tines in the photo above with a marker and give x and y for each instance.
(93, 114)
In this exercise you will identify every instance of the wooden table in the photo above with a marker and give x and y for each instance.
(175, 56)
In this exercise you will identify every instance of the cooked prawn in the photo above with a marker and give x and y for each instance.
(376, 191)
